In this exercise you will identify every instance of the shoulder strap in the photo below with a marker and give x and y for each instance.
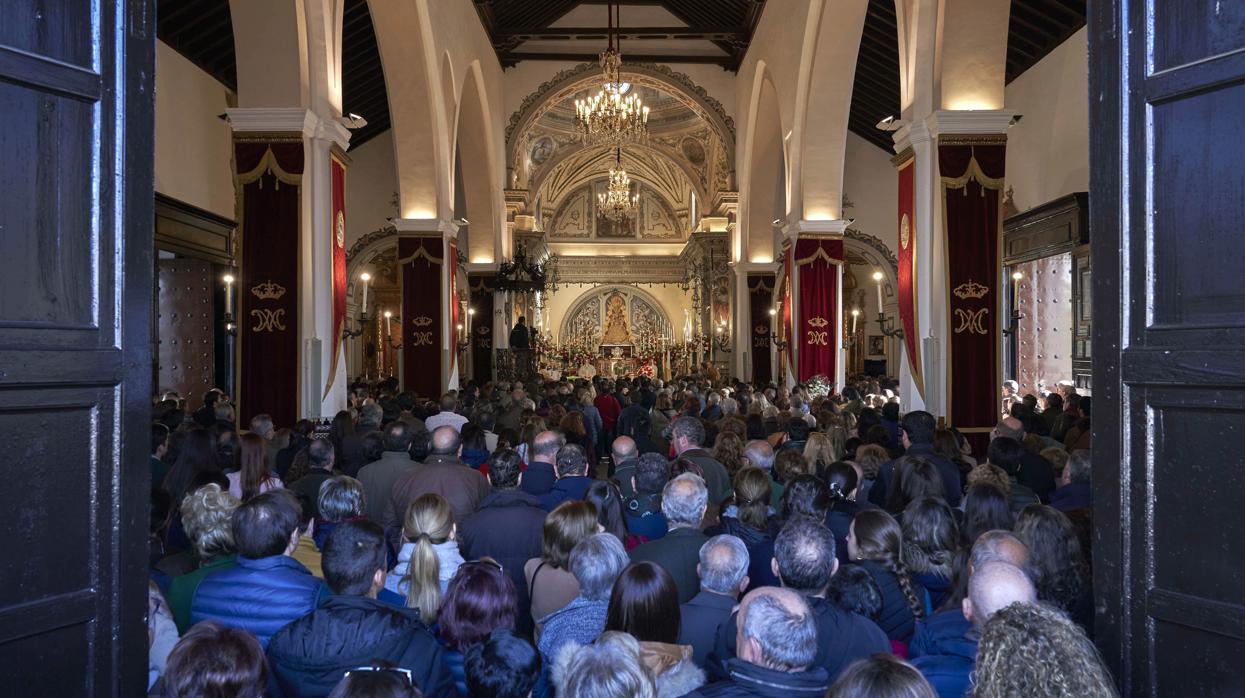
(531, 583)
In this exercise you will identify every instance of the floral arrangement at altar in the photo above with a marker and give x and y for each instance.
(819, 386)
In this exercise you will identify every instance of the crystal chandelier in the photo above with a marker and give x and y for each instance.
(617, 202)
(610, 116)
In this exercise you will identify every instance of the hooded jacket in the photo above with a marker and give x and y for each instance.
(309, 656)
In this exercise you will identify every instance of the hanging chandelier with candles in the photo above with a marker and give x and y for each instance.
(617, 202)
(611, 116)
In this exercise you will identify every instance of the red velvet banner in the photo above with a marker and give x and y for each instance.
(482, 327)
(339, 265)
(761, 301)
(972, 187)
(788, 278)
(420, 259)
(269, 176)
(907, 273)
(818, 263)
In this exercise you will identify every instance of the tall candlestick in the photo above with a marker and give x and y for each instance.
(877, 276)
(365, 277)
(388, 325)
(228, 294)
(855, 316)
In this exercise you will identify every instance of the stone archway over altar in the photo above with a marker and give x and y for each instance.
(589, 314)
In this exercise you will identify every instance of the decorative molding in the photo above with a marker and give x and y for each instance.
(288, 120)
(633, 270)
(970, 123)
(874, 243)
(371, 239)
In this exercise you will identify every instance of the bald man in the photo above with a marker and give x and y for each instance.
(777, 644)
(625, 455)
(442, 473)
(992, 587)
(542, 458)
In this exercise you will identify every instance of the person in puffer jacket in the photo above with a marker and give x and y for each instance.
(353, 629)
(268, 588)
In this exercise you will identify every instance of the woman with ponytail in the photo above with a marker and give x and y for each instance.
(875, 542)
(842, 481)
(429, 556)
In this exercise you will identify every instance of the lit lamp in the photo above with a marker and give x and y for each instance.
(884, 322)
(348, 333)
(1016, 317)
(852, 337)
(780, 344)
(230, 328)
(721, 337)
(462, 338)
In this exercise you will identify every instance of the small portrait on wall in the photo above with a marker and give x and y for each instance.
(542, 150)
(877, 345)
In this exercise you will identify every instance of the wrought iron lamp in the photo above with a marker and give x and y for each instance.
(348, 333)
(886, 324)
(1013, 324)
(779, 343)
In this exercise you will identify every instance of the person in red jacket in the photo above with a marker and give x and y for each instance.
(609, 408)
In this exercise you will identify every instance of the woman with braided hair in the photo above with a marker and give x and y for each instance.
(875, 542)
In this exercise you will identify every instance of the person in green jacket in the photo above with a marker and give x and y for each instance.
(207, 516)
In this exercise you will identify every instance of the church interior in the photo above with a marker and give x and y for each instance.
(304, 207)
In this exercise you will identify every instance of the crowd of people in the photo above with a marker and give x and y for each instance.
(624, 537)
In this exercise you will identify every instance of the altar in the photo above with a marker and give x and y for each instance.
(617, 360)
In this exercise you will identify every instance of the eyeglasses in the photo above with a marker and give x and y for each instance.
(410, 682)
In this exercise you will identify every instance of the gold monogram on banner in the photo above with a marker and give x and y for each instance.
(761, 340)
(818, 336)
(268, 319)
(421, 337)
(268, 291)
(483, 340)
(971, 321)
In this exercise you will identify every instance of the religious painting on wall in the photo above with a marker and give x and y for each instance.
(542, 150)
(877, 345)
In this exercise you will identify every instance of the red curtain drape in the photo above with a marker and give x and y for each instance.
(818, 263)
(972, 177)
(907, 273)
(421, 259)
(482, 288)
(339, 265)
(269, 176)
(788, 266)
(761, 300)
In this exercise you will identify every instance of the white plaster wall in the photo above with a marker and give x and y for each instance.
(1048, 151)
(871, 185)
(672, 299)
(371, 183)
(194, 148)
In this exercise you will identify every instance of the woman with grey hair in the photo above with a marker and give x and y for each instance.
(607, 668)
(595, 562)
(341, 499)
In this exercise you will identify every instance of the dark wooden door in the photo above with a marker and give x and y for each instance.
(76, 82)
(186, 321)
(1167, 87)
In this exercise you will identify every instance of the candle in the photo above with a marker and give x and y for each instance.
(855, 315)
(228, 294)
(1017, 276)
(877, 276)
(365, 277)
(388, 326)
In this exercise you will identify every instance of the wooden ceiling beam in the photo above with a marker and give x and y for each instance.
(511, 58)
(627, 33)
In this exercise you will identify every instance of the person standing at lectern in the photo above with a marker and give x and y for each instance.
(519, 337)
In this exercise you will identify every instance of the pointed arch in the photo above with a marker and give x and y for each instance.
(766, 183)
(475, 142)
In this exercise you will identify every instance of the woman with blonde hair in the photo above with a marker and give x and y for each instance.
(819, 452)
(207, 515)
(429, 556)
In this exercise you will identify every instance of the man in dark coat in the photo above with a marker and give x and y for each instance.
(723, 571)
(683, 503)
(443, 473)
(320, 456)
(778, 647)
(625, 455)
(508, 528)
(352, 629)
(949, 664)
(268, 588)
(519, 337)
(686, 436)
(573, 480)
(541, 470)
(1074, 491)
(805, 561)
(1035, 472)
(354, 451)
(918, 440)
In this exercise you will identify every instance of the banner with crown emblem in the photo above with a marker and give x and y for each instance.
(269, 177)
(818, 262)
(972, 189)
(906, 277)
(339, 265)
(761, 302)
(420, 259)
(480, 326)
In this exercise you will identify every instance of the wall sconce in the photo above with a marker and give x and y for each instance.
(779, 344)
(231, 328)
(884, 322)
(348, 333)
(722, 337)
(852, 338)
(1013, 323)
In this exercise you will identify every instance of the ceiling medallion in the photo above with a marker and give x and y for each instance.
(614, 114)
(617, 203)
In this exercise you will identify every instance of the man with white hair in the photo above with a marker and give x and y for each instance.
(596, 562)
(683, 503)
(760, 454)
(992, 587)
(777, 641)
(723, 572)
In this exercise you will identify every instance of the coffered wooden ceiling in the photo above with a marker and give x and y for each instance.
(715, 32)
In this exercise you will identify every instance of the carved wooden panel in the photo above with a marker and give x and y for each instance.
(187, 347)
(1044, 333)
(1083, 319)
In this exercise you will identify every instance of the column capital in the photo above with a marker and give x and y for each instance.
(795, 230)
(952, 123)
(288, 120)
(426, 227)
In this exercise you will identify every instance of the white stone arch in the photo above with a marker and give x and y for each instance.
(827, 76)
(602, 292)
(474, 143)
(568, 152)
(766, 184)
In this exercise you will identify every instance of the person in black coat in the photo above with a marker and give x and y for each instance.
(1033, 471)
(519, 336)
(508, 527)
(723, 574)
(748, 520)
(876, 543)
(352, 629)
(918, 440)
(683, 503)
(805, 562)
